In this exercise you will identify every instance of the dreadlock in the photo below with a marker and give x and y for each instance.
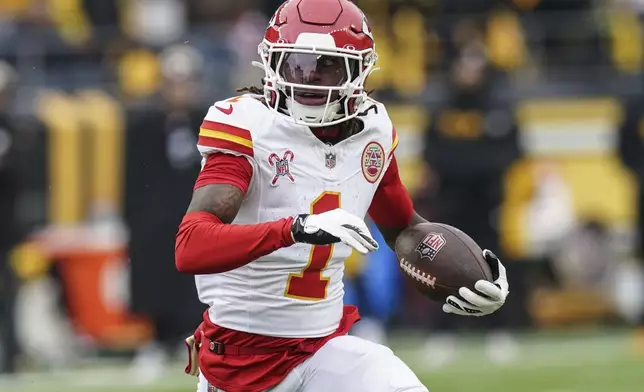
(251, 90)
(348, 128)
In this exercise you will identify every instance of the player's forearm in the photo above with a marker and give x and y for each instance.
(391, 208)
(390, 233)
(205, 245)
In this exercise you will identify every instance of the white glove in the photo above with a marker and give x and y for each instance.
(332, 227)
(490, 296)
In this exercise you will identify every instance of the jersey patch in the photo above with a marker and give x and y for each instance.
(373, 161)
(281, 165)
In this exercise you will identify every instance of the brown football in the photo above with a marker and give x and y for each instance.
(439, 259)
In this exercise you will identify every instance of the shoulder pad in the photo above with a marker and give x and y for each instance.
(376, 117)
(228, 125)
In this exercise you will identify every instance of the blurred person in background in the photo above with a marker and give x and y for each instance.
(242, 41)
(561, 48)
(16, 16)
(455, 20)
(156, 22)
(471, 142)
(161, 166)
(8, 217)
(631, 151)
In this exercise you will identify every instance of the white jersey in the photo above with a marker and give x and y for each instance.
(296, 291)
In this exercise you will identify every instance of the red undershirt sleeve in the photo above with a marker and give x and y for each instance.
(206, 245)
(221, 168)
(391, 205)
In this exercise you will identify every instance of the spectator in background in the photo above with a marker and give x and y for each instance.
(454, 21)
(8, 227)
(470, 143)
(561, 45)
(157, 22)
(16, 16)
(243, 37)
(162, 164)
(631, 151)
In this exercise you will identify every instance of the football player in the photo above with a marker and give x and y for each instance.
(289, 172)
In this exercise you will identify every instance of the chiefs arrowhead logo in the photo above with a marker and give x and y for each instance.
(227, 111)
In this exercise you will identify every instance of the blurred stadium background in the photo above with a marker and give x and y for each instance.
(521, 122)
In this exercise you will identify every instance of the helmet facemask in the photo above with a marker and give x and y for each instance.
(315, 87)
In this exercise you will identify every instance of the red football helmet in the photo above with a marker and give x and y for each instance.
(317, 55)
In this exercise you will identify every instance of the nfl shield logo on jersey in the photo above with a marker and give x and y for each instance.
(431, 245)
(329, 159)
(281, 166)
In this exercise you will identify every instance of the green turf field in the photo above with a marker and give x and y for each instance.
(579, 362)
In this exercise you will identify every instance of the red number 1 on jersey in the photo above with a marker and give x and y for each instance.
(310, 284)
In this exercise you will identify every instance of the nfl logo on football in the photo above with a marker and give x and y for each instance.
(431, 245)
